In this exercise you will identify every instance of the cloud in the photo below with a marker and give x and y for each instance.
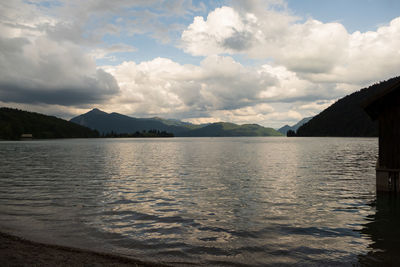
(219, 89)
(42, 60)
(248, 30)
(106, 52)
(223, 32)
(41, 71)
(317, 52)
(249, 114)
(60, 111)
(163, 86)
(86, 22)
(316, 106)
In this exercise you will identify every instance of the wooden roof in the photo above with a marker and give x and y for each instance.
(388, 96)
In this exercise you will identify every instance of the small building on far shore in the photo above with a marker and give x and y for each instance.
(385, 107)
(26, 136)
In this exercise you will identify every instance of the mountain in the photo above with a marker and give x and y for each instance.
(118, 123)
(173, 122)
(294, 128)
(230, 129)
(14, 123)
(346, 117)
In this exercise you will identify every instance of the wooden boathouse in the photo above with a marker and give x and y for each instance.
(385, 107)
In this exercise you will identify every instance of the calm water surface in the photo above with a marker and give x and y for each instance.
(210, 201)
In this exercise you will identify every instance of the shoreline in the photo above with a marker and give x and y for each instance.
(18, 251)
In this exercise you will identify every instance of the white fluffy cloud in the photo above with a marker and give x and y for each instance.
(219, 89)
(319, 52)
(162, 86)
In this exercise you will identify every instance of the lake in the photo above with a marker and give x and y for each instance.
(210, 201)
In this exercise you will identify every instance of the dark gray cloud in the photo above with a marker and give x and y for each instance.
(60, 96)
(44, 72)
(93, 91)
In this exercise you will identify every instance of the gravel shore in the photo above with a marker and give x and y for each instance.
(16, 251)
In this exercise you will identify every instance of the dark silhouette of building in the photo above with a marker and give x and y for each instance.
(385, 107)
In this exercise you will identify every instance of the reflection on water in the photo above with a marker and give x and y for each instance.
(383, 230)
(228, 201)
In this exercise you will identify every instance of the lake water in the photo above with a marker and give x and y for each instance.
(210, 201)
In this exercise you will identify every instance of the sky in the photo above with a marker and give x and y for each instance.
(270, 62)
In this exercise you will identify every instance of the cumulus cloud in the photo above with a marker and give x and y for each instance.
(162, 86)
(316, 51)
(219, 89)
(224, 31)
(310, 47)
(41, 71)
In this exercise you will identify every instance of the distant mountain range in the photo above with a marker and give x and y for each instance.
(118, 123)
(346, 117)
(15, 122)
(283, 130)
(231, 129)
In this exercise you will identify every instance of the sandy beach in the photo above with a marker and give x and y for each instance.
(16, 251)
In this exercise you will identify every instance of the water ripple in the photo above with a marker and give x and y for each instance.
(210, 201)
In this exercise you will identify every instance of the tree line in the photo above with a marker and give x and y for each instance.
(14, 123)
(137, 134)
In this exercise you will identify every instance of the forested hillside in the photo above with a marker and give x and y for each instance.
(106, 123)
(346, 117)
(14, 123)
